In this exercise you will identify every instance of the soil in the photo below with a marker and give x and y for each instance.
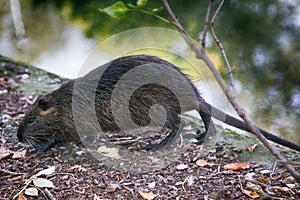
(198, 173)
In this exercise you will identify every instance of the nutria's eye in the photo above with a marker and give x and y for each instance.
(30, 120)
(44, 105)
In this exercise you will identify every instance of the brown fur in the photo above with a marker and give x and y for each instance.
(50, 119)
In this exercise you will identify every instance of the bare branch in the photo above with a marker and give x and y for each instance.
(184, 34)
(200, 54)
(204, 33)
(229, 69)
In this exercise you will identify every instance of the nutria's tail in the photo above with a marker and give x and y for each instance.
(230, 120)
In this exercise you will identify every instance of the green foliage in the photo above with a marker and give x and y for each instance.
(120, 9)
(116, 10)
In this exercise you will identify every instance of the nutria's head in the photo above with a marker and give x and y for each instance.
(48, 120)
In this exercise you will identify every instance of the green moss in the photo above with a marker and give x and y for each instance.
(40, 82)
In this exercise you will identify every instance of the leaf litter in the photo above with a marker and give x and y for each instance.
(63, 173)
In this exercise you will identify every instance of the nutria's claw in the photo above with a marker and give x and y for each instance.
(200, 136)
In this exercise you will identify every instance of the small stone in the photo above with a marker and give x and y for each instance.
(237, 150)
(79, 153)
(24, 76)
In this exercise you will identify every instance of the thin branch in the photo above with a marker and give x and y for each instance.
(229, 69)
(200, 54)
(184, 34)
(204, 33)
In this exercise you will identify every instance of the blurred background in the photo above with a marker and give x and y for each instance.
(261, 39)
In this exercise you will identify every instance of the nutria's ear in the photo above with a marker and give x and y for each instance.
(44, 105)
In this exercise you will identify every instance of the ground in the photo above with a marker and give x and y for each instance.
(201, 171)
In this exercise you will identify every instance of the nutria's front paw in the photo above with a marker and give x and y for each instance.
(201, 136)
(45, 145)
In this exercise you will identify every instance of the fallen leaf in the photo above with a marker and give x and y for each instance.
(251, 194)
(151, 185)
(79, 167)
(3, 140)
(251, 148)
(290, 185)
(4, 152)
(41, 182)
(21, 197)
(182, 166)
(190, 180)
(96, 197)
(249, 176)
(147, 195)
(237, 166)
(109, 152)
(201, 163)
(265, 171)
(282, 190)
(46, 172)
(112, 187)
(32, 191)
(19, 154)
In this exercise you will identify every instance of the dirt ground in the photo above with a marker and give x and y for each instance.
(199, 173)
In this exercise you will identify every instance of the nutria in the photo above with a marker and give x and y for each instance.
(63, 113)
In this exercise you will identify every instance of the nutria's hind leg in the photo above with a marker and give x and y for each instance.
(176, 126)
(209, 127)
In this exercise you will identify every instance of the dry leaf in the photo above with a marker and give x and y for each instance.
(251, 194)
(237, 166)
(41, 182)
(262, 180)
(21, 197)
(282, 190)
(109, 152)
(201, 163)
(147, 195)
(112, 187)
(31, 191)
(46, 172)
(251, 148)
(211, 164)
(265, 171)
(79, 167)
(151, 185)
(290, 185)
(182, 166)
(19, 154)
(96, 197)
(4, 152)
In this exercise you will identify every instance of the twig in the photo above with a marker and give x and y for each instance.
(204, 33)
(200, 53)
(229, 69)
(49, 194)
(10, 172)
(15, 9)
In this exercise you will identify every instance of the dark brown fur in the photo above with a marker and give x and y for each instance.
(60, 115)
(45, 125)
